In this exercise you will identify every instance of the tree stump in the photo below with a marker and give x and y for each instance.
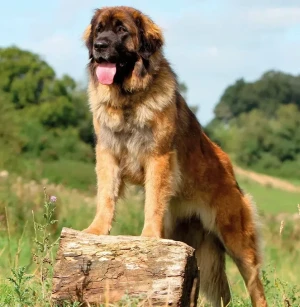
(108, 269)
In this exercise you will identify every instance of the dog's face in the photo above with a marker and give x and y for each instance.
(117, 39)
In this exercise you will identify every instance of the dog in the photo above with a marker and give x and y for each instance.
(146, 135)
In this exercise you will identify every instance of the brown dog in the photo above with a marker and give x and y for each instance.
(147, 135)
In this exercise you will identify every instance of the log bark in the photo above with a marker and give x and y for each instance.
(108, 269)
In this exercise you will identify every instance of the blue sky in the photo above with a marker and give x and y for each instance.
(210, 43)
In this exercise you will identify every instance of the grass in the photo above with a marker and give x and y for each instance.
(73, 174)
(295, 181)
(74, 208)
(281, 252)
(269, 199)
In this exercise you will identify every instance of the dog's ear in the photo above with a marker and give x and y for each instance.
(88, 39)
(88, 33)
(150, 36)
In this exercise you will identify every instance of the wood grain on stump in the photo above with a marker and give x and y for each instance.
(100, 269)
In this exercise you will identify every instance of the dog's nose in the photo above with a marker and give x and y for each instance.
(100, 45)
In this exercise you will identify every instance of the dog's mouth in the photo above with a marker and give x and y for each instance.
(106, 72)
(113, 69)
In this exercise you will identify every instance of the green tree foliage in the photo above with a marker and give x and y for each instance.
(41, 116)
(266, 94)
(25, 78)
(11, 142)
(259, 123)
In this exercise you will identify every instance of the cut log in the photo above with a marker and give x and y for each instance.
(108, 269)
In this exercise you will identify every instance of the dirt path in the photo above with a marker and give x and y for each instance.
(267, 180)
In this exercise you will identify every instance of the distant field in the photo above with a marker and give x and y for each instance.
(269, 199)
(295, 181)
(75, 209)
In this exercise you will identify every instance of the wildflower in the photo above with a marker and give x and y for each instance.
(53, 199)
(281, 227)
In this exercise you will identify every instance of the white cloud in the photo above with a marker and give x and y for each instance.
(212, 51)
(262, 3)
(275, 17)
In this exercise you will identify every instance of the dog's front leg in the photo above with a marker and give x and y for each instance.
(159, 189)
(108, 184)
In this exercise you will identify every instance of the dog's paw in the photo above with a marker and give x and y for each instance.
(151, 233)
(94, 231)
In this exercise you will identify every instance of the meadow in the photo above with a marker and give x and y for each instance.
(30, 226)
(46, 140)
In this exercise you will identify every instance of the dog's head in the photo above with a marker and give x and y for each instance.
(120, 41)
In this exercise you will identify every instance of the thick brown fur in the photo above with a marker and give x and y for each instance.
(147, 135)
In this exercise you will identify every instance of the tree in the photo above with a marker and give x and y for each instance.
(259, 123)
(11, 142)
(24, 77)
(48, 109)
(266, 94)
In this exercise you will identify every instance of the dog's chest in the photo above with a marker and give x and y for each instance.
(128, 135)
(131, 140)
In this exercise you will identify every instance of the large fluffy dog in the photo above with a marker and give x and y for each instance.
(147, 135)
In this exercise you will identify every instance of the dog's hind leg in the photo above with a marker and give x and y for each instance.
(239, 234)
(210, 258)
(211, 262)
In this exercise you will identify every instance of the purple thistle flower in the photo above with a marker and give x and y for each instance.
(53, 199)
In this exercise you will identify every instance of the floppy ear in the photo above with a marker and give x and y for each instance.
(88, 33)
(151, 38)
(88, 39)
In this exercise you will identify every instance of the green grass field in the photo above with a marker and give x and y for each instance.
(20, 198)
(269, 199)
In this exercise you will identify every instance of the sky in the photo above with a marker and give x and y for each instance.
(209, 43)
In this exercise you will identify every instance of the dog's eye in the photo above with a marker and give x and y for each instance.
(99, 27)
(121, 29)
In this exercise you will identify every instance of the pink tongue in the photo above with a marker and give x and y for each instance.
(105, 72)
